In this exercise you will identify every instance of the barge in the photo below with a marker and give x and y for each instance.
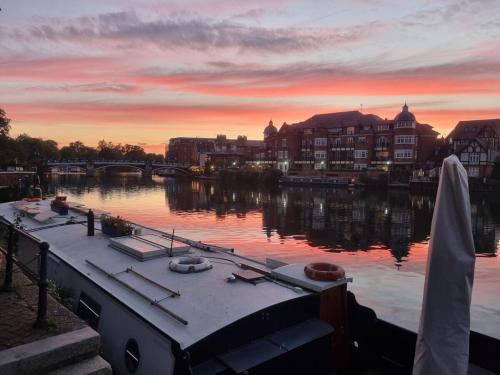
(235, 315)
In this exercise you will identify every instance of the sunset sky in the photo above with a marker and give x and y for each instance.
(143, 71)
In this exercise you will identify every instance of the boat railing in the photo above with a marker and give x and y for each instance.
(30, 255)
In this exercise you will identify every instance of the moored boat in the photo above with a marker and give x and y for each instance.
(222, 313)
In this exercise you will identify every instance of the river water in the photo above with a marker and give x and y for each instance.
(380, 238)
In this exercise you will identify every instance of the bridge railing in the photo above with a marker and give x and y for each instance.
(59, 163)
(77, 161)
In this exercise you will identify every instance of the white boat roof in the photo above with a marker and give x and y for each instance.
(207, 301)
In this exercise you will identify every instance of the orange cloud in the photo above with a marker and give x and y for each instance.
(150, 123)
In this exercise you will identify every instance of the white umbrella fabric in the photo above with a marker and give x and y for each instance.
(443, 336)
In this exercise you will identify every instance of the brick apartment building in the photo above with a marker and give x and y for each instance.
(349, 141)
(220, 150)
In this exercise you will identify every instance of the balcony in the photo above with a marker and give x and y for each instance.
(342, 147)
(382, 146)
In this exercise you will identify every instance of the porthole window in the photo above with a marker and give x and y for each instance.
(89, 310)
(132, 356)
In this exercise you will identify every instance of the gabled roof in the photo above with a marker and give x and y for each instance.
(328, 120)
(471, 128)
(425, 129)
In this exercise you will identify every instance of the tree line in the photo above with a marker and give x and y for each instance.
(26, 150)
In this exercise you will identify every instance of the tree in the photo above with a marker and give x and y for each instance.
(157, 158)
(4, 124)
(109, 151)
(34, 150)
(132, 152)
(77, 150)
(8, 151)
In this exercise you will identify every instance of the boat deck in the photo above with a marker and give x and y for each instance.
(206, 301)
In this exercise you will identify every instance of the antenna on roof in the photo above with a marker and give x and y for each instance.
(172, 243)
(361, 107)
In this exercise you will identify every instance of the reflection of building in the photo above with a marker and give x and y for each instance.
(477, 145)
(333, 219)
(196, 151)
(350, 141)
(483, 229)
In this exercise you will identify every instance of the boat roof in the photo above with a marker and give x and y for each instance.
(207, 301)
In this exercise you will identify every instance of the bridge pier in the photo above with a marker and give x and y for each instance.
(89, 169)
(147, 171)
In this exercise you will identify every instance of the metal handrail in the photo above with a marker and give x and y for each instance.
(153, 302)
(41, 319)
(3, 220)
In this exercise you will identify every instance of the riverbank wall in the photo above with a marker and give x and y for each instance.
(11, 179)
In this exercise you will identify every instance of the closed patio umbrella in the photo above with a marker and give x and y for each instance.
(443, 335)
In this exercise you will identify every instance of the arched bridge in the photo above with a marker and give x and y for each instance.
(145, 167)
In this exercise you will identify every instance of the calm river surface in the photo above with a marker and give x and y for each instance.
(380, 238)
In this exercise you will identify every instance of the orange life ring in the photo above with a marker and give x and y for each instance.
(324, 271)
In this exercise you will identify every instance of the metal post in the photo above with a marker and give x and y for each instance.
(41, 319)
(90, 223)
(172, 243)
(9, 261)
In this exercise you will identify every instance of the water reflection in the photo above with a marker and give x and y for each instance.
(334, 220)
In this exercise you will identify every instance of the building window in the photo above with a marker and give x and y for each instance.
(282, 154)
(132, 356)
(306, 143)
(360, 166)
(403, 154)
(320, 141)
(307, 131)
(473, 171)
(383, 127)
(350, 141)
(405, 139)
(321, 165)
(360, 154)
(89, 310)
(350, 130)
(320, 154)
(382, 142)
(337, 142)
(404, 124)
(283, 142)
(362, 139)
(474, 158)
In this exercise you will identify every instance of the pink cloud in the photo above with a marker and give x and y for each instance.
(316, 80)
